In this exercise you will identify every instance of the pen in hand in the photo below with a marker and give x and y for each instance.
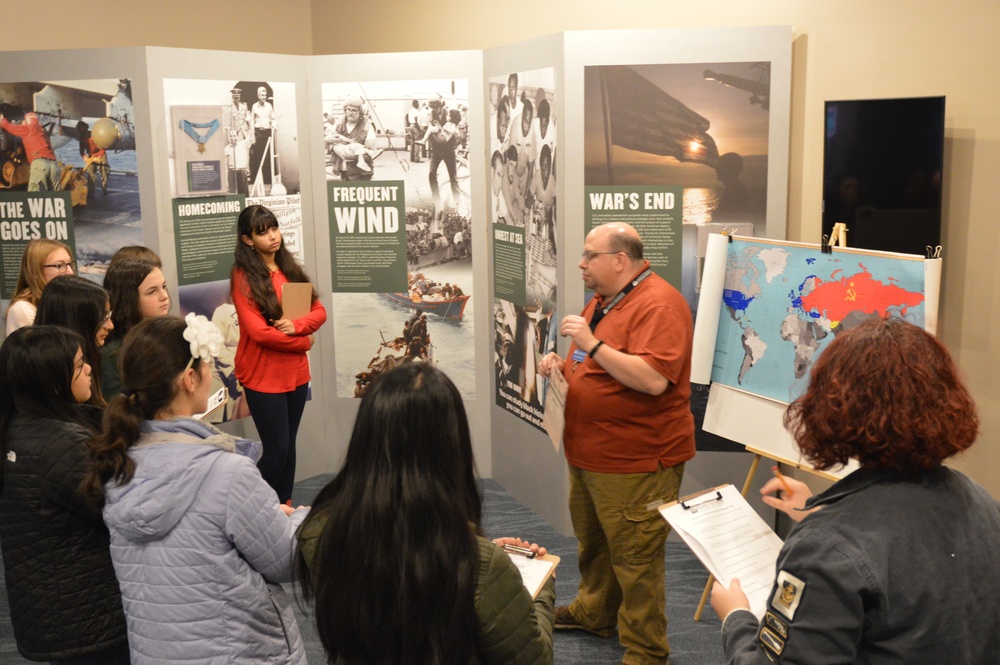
(523, 551)
(780, 476)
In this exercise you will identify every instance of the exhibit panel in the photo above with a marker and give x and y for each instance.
(523, 219)
(704, 110)
(205, 148)
(223, 156)
(245, 110)
(74, 160)
(400, 213)
(525, 243)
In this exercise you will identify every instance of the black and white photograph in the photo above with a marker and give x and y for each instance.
(413, 134)
(522, 133)
(253, 123)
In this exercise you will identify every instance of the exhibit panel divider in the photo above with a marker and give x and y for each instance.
(524, 92)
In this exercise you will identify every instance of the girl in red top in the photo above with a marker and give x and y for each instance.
(271, 361)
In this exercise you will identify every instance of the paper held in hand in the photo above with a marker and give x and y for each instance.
(554, 419)
(730, 539)
(534, 571)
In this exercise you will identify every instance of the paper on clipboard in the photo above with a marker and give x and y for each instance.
(535, 571)
(296, 300)
(730, 539)
(554, 417)
(215, 402)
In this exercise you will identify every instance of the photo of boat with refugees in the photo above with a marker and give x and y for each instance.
(426, 295)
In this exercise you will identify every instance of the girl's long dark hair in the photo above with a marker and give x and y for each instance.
(122, 283)
(258, 219)
(37, 365)
(395, 574)
(78, 304)
(152, 355)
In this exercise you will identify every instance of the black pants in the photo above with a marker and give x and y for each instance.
(118, 655)
(444, 154)
(415, 147)
(277, 417)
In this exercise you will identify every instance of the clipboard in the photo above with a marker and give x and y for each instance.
(296, 300)
(729, 538)
(535, 571)
(215, 402)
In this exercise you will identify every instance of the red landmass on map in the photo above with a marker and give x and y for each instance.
(857, 293)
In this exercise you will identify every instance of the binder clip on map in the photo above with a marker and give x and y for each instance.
(837, 237)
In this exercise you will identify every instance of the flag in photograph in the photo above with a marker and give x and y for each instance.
(642, 117)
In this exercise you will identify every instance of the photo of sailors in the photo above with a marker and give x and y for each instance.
(381, 130)
(522, 135)
(255, 125)
(72, 138)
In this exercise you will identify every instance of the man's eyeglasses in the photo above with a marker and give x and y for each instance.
(62, 266)
(589, 256)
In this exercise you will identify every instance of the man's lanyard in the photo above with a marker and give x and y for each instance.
(600, 313)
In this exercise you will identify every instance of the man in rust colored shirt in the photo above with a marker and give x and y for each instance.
(629, 431)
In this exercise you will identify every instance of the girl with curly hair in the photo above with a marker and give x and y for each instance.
(896, 562)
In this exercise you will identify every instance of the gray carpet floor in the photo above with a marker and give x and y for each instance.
(692, 643)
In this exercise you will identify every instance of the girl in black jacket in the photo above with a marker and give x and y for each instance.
(64, 600)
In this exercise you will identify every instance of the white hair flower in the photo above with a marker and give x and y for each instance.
(205, 338)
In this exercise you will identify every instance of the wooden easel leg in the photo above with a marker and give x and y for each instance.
(708, 584)
(704, 598)
(753, 472)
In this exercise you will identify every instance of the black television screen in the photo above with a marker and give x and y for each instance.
(882, 172)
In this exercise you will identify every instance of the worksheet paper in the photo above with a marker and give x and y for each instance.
(534, 571)
(730, 539)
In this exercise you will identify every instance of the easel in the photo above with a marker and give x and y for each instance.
(757, 455)
(741, 416)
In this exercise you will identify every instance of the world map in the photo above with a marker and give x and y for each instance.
(783, 304)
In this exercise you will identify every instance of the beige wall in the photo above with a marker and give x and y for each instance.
(843, 49)
(259, 26)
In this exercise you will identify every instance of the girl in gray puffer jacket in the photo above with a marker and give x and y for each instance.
(199, 542)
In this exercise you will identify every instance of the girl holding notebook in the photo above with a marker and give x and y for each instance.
(271, 362)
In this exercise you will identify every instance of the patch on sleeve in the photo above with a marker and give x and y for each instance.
(771, 642)
(787, 594)
(777, 625)
(11, 456)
